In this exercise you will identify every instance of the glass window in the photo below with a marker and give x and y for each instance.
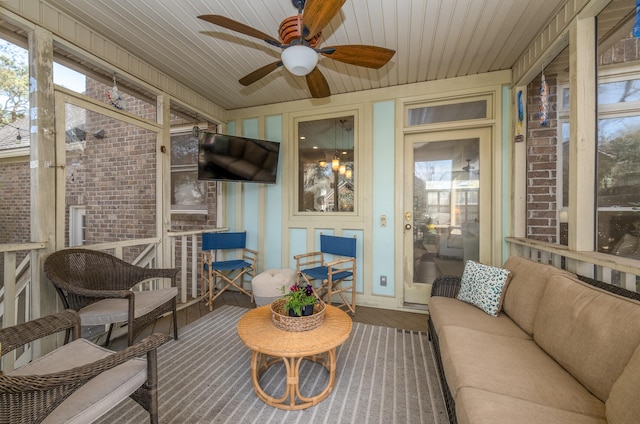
(448, 113)
(326, 165)
(618, 143)
(15, 198)
(113, 91)
(187, 193)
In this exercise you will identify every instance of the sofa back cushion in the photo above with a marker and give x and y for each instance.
(590, 332)
(623, 405)
(528, 281)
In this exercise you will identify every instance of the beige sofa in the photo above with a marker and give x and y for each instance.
(561, 350)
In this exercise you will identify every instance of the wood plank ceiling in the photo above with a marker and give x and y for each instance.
(433, 39)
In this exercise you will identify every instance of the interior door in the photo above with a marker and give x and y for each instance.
(447, 196)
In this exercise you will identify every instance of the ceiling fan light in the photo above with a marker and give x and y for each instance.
(299, 60)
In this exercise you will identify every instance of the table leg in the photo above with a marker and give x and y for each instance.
(260, 363)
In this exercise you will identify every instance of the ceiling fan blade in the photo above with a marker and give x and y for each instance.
(259, 73)
(238, 27)
(317, 14)
(318, 85)
(360, 55)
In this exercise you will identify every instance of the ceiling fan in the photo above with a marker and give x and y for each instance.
(299, 36)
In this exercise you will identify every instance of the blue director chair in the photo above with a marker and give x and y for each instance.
(337, 276)
(228, 273)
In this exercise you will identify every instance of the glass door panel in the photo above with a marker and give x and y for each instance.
(442, 218)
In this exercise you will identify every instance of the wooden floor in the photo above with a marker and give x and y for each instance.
(366, 315)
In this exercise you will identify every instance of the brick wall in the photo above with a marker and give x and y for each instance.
(542, 163)
(15, 200)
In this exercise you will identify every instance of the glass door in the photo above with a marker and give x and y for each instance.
(442, 211)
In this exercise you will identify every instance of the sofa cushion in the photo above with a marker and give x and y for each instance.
(449, 311)
(512, 367)
(477, 406)
(590, 332)
(483, 286)
(623, 405)
(528, 281)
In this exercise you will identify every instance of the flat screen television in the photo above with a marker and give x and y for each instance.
(223, 157)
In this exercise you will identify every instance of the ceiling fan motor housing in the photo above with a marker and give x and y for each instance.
(290, 30)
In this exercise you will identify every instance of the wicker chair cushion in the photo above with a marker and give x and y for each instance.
(116, 310)
(483, 286)
(590, 332)
(623, 405)
(98, 395)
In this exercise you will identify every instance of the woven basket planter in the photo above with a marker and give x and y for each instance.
(283, 321)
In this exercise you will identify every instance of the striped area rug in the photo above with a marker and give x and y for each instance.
(383, 376)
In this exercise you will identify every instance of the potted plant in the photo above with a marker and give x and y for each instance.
(299, 300)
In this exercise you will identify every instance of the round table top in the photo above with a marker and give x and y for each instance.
(258, 332)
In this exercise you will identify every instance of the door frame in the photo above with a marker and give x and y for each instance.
(486, 195)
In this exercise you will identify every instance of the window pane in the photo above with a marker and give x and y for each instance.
(15, 198)
(111, 172)
(118, 94)
(187, 192)
(619, 92)
(326, 165)
(618, 145)
(448, 113)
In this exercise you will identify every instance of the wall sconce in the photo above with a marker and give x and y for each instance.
(323, 163)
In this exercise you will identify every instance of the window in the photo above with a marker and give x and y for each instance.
(188, 195)
(475, 109)
(618, 144)
(326, 152)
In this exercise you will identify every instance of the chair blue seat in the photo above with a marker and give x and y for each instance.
(229, 265)
(224, 274)
(337, 276)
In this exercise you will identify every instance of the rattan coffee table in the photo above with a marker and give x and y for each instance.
(270, 345)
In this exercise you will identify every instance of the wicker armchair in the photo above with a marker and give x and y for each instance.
(78, 382)
(98, 286)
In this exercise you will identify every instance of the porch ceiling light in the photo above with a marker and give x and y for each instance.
(299, 59)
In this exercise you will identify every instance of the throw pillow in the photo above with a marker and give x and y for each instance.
(484, 286)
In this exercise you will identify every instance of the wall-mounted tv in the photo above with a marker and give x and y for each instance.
(223, 157)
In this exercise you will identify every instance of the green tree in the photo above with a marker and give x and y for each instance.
(14, 83)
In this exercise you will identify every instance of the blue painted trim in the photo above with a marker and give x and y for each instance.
(383, 197)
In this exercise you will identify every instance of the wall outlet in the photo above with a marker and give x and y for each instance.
(383, 280)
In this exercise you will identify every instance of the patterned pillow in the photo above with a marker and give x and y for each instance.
(484, 286)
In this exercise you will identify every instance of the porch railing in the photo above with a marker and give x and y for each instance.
(185, 248)
(616, 270)
(17, 275)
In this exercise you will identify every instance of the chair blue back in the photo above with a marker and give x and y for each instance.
(226, 240)
(336, 245)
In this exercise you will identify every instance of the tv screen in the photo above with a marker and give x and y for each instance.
(224, 157)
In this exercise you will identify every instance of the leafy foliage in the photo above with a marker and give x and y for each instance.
(14, 83)
(298, 297)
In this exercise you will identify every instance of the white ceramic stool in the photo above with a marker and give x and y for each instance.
(267, 286)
